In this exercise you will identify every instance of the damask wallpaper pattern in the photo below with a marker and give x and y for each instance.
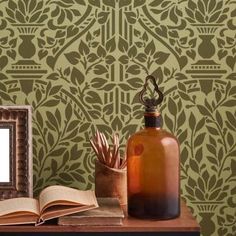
(80, 64)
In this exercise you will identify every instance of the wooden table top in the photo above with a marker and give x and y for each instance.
(184, 223)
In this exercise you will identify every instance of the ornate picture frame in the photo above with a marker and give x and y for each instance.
(15, 123)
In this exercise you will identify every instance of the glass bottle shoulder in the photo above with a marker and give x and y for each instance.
(153, 132)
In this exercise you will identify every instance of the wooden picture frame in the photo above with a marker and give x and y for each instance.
(15, 124)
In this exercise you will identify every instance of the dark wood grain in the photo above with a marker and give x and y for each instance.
(185, 223)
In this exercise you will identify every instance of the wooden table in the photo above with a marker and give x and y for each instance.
(185, 225)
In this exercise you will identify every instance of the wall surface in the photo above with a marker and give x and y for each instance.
(80, 64)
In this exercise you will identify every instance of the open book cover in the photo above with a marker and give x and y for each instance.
(53, 202)
(109, 213)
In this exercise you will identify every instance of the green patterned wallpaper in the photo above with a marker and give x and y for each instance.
(80, 64)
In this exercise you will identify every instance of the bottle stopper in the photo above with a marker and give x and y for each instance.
(150, 103)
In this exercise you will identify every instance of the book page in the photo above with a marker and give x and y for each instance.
(19, 218)
(15, 205)
(64, 195)
(57, 211)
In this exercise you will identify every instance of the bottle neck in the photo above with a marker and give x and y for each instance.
(152, 120)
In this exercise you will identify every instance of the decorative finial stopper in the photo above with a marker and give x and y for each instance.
(150, 103)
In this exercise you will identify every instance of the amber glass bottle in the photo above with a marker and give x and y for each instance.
(153, 166)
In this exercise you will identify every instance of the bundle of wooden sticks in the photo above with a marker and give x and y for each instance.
(108, 155)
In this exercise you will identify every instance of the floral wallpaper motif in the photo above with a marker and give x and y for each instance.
(80, 64)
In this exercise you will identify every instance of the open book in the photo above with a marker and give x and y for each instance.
(54, 201)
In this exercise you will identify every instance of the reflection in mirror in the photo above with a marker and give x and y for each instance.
(4, 155)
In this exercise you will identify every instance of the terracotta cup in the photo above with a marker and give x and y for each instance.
(110, 182)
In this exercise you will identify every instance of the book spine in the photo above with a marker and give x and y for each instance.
(40, 221)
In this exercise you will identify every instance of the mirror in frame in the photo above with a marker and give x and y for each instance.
(15, 152)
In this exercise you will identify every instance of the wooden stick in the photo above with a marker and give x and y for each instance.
(106, 154)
